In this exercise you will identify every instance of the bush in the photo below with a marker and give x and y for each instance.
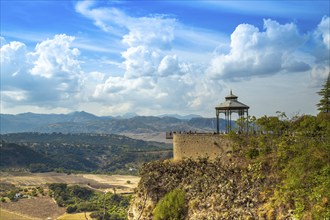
(98, 215)
(85, 206)
(71, 209)
(171, 207)
(253, 153)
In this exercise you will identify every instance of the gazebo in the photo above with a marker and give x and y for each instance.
(231, 105)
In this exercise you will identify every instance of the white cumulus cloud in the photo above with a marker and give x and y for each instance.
(153, 74)
(324, 30)
(55, 56)
(255, 52)
(169, 65)
(147, 38)
(141, 61)
(321, 52)
(47, 76)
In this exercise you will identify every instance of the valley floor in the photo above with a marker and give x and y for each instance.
(100, 182)
(44, 207)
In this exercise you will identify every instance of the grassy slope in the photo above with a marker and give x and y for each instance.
(77, 216)
(36, 208)
(8, 215)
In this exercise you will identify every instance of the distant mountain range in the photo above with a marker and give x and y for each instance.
(83, 122)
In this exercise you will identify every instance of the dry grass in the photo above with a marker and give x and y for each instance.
(44, 207)
(99, 182)
(77, 216)
(115, 180)
(36, 208)
(7, 215)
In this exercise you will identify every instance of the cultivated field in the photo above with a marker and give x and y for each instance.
(76, 216)
(33, 208)
(121, 183)
(43, 207)
(7, 215)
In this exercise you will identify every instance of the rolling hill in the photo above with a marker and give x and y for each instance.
(83, 122)
(40, 152)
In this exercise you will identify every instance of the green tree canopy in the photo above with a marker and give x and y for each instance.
(172, 206)
(324, 104)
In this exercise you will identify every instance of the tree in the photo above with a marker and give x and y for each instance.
(71, 208)
(171, 207)
(324, 104)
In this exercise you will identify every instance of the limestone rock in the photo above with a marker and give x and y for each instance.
(214, 190)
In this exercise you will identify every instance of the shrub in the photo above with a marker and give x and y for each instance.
(171, 207)
(71, 209)
(253, 153)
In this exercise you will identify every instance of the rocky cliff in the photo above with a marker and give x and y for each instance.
(218, 189)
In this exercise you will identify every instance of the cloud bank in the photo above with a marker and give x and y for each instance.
(45, 76)
(154, 78)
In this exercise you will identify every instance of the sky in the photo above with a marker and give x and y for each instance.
(157, 57)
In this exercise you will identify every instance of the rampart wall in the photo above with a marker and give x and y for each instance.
(196, 145)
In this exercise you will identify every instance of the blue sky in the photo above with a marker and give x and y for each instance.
(158, 57)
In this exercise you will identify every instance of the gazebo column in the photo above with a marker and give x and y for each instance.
(229, 121)
(217, 113)
(247, 121)
(226, 119)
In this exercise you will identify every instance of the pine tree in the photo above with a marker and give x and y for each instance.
(324, 104)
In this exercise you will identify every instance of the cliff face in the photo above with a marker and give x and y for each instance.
(213, 189)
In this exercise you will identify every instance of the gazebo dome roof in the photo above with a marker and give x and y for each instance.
(231, 103)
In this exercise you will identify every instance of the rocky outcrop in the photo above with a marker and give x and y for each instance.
(214, 190)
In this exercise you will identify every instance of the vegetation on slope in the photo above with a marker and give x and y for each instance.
(324, 104)
(294, 154)
(74, 198)
(80, 199)
(280, 171)
(14, 155)
(102, 153)
(171, 207)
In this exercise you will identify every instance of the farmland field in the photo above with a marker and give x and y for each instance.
(35, 208)
(122, 183)
(7, 215)
(77, 216)
(43, 207)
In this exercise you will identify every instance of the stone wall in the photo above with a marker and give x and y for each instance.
(200, 145)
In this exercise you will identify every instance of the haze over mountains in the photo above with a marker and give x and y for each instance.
(83, 122)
